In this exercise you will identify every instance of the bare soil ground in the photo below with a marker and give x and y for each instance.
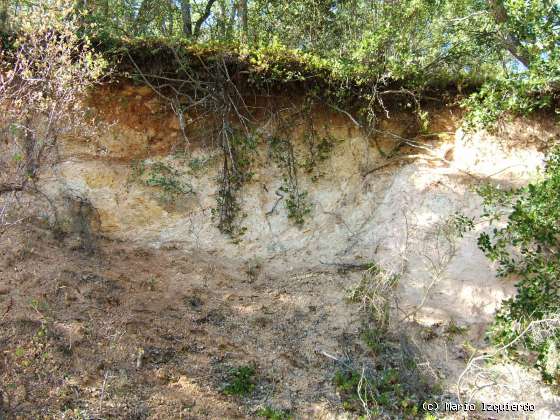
(129, 332)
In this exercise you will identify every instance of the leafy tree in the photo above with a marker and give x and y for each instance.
(512, 44)
(530, 32)
(43, 81)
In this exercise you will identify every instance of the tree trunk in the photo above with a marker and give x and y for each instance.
(143, 18)
(187, 18)
(222, 21)
(203, 17)
(243, 15)
(170, 16)
(509, 40)
(3, 15)
(231, 23)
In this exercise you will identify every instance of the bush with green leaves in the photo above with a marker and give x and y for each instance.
(239, 151)
(528, 78)
(520, 94)
(167, 178)
(46, 70)
(391, 387)
(240, 381)
(385, 381)
(163, 177)
(297, 204)
(274, 413)
(528, 247)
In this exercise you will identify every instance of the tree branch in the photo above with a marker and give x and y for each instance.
(10, 187)
(203, 18)
(509, 40)
(186, 16)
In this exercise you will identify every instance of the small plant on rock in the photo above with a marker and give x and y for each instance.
(274, 414)
(163, 177)
(297, 204)
(167, 178)
(238, 156)
(240, 381)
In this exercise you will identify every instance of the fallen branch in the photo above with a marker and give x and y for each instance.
(8, 308)
(390, 162)
(345, 267)
(6, 188)
(280, 197)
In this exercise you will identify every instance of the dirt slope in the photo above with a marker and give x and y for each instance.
(152, 323)
(134, 333)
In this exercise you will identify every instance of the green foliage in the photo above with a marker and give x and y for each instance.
(46, 71)
(528, 246)
(274, 413)
(452, 329)
(319, 149)
(391, 386)
(373, 339)
(383, 392)
(354, 50)
(163, 177)
(530, 32)
(324, 148)
(297, 205)
(346, 52)
(238, 155)
(197, 164)
(358, 43)
(517, 95)
(378, 38)
(240, 381)
(458, 225)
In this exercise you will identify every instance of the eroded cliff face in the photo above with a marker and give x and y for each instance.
(364, 206)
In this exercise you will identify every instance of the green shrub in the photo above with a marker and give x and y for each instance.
(168, 179)
(382, 393)
(274, 414)
(239, 150)
(517, 95)
(528, 246)
(240, 381)
(163, 177)
(297, 203)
